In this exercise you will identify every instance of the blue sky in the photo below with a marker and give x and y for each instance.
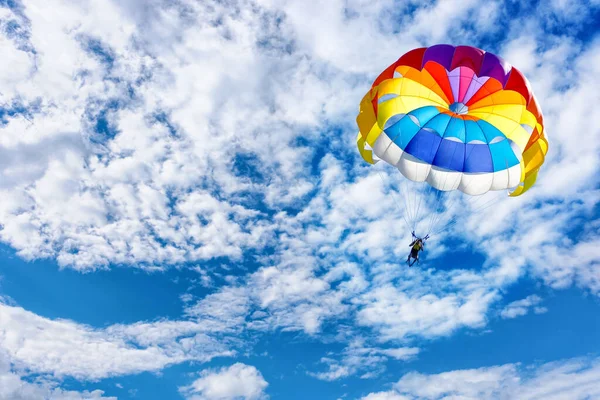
(184, 214)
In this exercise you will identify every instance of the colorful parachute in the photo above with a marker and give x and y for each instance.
(456, 117)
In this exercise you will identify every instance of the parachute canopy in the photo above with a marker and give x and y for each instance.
(456, 117)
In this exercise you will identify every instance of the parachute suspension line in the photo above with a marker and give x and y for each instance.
(428, 216)
(440, 211)
(477, 211)
(411, 207)
(489, 202)
(405, 203)
(406, 196)
(411, 204)
(448, 207)
(481, 199)
(432, 213)
(492, 202)
(482, 206)
(449, 223)
(439, 214)
(444, 229)
(451, 206)
(396, 202)
(477, 204)
(418, 209)
(415, 198)
(436, 210)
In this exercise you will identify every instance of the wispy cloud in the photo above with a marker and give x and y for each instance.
(62, 348)
(522, 307)
(368, 361)
(14, 387)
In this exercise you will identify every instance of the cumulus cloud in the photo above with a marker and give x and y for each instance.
(385, 396)
(575, 379)
(239, 381)
(125, 165)
(141, 148)
(398, 315)
(187, 131)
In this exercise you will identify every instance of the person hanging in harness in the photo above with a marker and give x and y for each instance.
(417, 245)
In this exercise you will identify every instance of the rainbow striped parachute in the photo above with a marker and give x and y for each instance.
(456, 117)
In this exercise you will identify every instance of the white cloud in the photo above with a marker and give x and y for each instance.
(225, 310)
(402, 353)
(575, 379)
(572, 11)
(295, 298)
(127, 200)
(153, 197)
(385, 396)
(239, 381)
(64, 348)
(400, 315)
(359, 358)
(263, 79)
(484, 383)
(13, 386)
(450, 17)
(521, 307)
(115, 205)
